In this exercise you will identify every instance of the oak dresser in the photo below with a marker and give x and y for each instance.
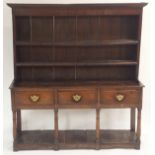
(76, 56)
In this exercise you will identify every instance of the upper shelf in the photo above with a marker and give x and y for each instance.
(80, 43)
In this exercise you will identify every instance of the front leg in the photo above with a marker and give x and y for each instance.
(19, 125)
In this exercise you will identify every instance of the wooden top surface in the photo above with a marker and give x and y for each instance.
(80, 5)
(74, 83)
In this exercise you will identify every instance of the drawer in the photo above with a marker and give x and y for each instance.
(34, 97)
(77, 97)
(120, 97)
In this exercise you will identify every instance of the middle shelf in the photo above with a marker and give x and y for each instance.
(86, 63)
(80, 43)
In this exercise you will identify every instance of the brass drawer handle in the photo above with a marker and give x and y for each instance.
(76, 98)
(120, 97)
(34, 98)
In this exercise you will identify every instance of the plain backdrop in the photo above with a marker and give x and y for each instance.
(81, 119)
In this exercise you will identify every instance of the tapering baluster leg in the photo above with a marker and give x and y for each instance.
(19, 128)
(132, 119)
(14, 129)
(97, 128)
(56, 127)
(14, 124)
(138, 127)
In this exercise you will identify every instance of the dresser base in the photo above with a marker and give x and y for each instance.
(75, 139)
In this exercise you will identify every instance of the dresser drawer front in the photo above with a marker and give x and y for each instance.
(120, 97)
(77, 97)
(34, 98)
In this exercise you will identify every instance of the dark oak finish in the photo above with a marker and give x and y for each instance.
(76, 56)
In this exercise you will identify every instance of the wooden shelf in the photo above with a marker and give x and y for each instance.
(79, 64)
(81, 43)
(75, 139)
(74, 83)
(44, 64)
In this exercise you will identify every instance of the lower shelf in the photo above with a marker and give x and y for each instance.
(75, 139)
